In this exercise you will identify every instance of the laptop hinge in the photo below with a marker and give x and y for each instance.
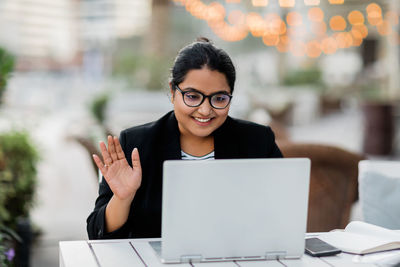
(191, 258)
(274, 255)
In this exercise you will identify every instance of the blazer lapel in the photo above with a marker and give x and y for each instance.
(172, 146)
(225, 142)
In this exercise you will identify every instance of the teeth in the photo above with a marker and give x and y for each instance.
(202, 120)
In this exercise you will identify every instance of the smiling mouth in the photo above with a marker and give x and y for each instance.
(202, 120)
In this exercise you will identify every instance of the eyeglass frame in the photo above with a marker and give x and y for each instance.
(204, 97)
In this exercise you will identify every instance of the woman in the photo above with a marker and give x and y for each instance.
(202, 83)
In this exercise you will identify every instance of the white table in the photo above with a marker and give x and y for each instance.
(138, 252)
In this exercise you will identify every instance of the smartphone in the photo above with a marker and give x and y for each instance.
(317, 248)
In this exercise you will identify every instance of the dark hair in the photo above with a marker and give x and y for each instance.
(199, 54)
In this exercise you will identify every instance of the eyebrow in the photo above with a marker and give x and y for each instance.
(189, 89)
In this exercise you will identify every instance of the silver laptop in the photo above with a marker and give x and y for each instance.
(240, 209)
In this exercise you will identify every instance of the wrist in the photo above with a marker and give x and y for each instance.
(124, 200)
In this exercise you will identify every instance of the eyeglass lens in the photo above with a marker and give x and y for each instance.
(194, 99)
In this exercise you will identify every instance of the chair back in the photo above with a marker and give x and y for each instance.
(379, 187)
(333, 183)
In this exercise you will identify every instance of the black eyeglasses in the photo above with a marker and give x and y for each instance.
(193, 98)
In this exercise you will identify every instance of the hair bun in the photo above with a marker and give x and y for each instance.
(203, 39)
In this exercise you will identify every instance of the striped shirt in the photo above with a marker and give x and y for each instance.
(186, 156)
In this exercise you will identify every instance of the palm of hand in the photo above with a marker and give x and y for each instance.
(123, 179)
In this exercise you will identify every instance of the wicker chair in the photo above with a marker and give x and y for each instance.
(333, 183)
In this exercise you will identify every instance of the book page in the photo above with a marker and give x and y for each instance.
(351, 242)
(372, 231)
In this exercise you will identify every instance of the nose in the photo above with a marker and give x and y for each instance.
(205, 108)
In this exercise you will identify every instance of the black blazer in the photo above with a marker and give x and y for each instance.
(159, 141)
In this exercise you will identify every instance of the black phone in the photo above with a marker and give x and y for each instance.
(317, 248)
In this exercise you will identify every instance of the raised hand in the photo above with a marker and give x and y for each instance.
(123, 180)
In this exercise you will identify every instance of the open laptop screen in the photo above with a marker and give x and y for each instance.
(234, 209)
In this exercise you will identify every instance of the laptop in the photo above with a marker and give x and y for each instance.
(237, 209)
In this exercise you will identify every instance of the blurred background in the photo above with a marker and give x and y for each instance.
(72, 71)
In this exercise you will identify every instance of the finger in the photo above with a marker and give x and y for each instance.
(99, 164)
(136, 159)
(118, 148)
(111, 148)
(106, 157)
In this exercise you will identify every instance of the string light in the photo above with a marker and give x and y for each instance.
(259, 3)
(288, 33)
(311, 2)
(287, 3)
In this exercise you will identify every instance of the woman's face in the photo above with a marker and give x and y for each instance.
(200, 121)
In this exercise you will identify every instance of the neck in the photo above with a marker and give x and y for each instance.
(197, 146)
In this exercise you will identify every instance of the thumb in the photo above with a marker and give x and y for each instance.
(136, 159)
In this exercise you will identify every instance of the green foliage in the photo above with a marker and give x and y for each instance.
(8, 238)
(311, 76)
(98, 107)
(6, 67)
(142, 71)
(18, 159)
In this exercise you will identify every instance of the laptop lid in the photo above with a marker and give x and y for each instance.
(234, 209)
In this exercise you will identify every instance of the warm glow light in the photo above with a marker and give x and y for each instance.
(313, 49)
(362, 29)
(274, 24)
(259, 2)
(289, 33)
(294, 18)
(311, 2)
(392, 17)
(236, 17)
(315, 14)
(215, 12)
(374, 14)
(286, 3)
(356, 17)
(318, 28)
(357, 42)
(283, 44)
(297, 32)
(229, 33)
(384, 28)
(329, 45)
(374, 18)
(356, 33)
(340, 39)
(337, 23)
(373, 7)
(197, 9)
(348, 39)
(270, 39)
(256, 24)
(336, 2)
(344, 39)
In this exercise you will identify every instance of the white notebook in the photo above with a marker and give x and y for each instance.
(362, 238)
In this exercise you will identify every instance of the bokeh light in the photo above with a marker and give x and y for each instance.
(315, 14)
(356, 17)
(337, 23)
(294, 18)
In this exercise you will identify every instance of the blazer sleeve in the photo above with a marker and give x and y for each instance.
(96, 225)
(274, 151)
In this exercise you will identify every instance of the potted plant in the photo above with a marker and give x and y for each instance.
(6, 67)
(8, 238)
(18, 159)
